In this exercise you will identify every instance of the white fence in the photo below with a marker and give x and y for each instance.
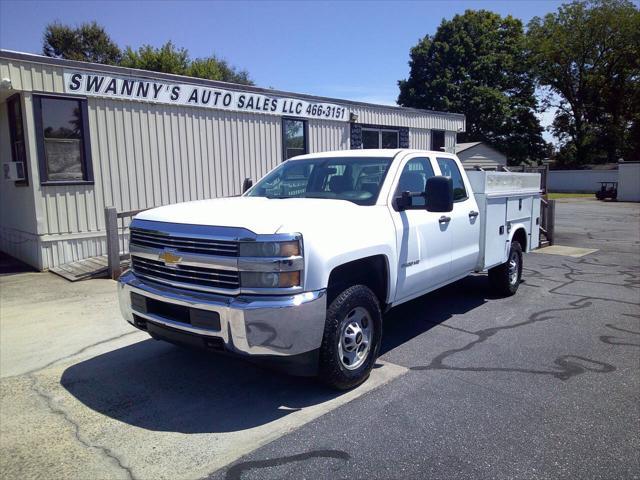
(579, 180)
(629, 183)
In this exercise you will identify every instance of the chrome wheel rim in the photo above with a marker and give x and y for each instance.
(513, 269)
(354, 343)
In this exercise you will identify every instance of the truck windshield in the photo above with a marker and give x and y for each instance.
(356, 179)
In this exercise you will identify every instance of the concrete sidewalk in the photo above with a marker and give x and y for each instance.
(85, 395)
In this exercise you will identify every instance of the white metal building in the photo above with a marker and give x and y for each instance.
(480, 154)
(76, 137)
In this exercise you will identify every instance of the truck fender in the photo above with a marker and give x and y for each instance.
(519, 231)
(343, 261)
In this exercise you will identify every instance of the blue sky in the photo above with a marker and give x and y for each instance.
(355, 50)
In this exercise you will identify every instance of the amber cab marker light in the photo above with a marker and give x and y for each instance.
(289, 279)
(289, 249)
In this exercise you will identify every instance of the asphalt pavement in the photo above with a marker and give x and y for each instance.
(545, 384)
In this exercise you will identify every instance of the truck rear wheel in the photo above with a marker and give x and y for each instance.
(351, 342)
(505, 278)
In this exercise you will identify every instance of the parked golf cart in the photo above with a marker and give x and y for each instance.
(607, 190)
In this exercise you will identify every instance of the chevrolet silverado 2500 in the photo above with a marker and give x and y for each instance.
(298, 271)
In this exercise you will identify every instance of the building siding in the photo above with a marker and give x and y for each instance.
(420, 139)
(146, 154)
(325, 136)
(482, 156)
(33, 75)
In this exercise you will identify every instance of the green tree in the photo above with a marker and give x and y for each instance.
(476, 64)
(214, 68)
(88, 43)
(171, 59)
(587, 56)
(167, 59)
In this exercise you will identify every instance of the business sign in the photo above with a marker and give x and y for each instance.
(131, 88)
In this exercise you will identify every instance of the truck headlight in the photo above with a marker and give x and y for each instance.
(270, 249)
(270, 279)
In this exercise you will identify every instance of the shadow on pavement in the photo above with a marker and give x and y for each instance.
(10, 265)
(416, 317)
(158, 386)
(162, 387)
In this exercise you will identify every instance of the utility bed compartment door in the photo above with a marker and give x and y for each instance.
(535, 224)
(495, 233)
(519, 208)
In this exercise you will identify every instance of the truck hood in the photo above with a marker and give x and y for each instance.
(258, 214)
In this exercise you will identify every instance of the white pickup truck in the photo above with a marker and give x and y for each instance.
(298, 271)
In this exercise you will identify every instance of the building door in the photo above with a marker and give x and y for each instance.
(437, 140)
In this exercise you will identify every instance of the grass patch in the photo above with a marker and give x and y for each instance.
(554, 196)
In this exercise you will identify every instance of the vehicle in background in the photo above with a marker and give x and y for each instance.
(607, 190)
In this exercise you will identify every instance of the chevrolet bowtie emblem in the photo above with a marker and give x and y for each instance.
(170, 258)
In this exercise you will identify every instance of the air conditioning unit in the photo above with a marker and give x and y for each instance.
(13, 171)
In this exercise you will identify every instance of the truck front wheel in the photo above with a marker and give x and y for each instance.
(351, 341)
(505, 278)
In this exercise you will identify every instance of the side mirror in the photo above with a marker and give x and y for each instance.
(439, 194)
(405, 201)
(247, 184)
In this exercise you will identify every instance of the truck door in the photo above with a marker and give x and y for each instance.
(424, 243)
(464, 223)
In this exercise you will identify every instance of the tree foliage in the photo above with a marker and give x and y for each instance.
(476, 64)
(588, 56)
(90, 43)
(87, 43)
(215, 68)
(166, 59)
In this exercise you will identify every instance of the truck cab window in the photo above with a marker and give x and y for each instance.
(450, 169)
(357, 180)
(414, 178)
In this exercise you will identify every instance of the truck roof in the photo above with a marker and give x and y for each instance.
(371, 152)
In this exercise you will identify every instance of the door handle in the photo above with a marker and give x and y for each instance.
(444, 219)
(473, 214)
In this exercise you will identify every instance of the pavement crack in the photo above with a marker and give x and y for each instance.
(50, 403)
(74, 354)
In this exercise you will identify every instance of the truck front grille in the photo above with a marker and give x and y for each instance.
(196, 278)
(204, 246)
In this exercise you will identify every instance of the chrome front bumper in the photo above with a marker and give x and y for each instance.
(252, 325)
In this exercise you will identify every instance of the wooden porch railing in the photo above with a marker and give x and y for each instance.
(547, 221)
(117, 225)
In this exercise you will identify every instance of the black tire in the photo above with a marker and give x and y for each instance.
(500, 278)
(332, 370)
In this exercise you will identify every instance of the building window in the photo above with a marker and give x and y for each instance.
(63, 140)
(16, 135)
(294, 134)
(437, 140)
(379, 138)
